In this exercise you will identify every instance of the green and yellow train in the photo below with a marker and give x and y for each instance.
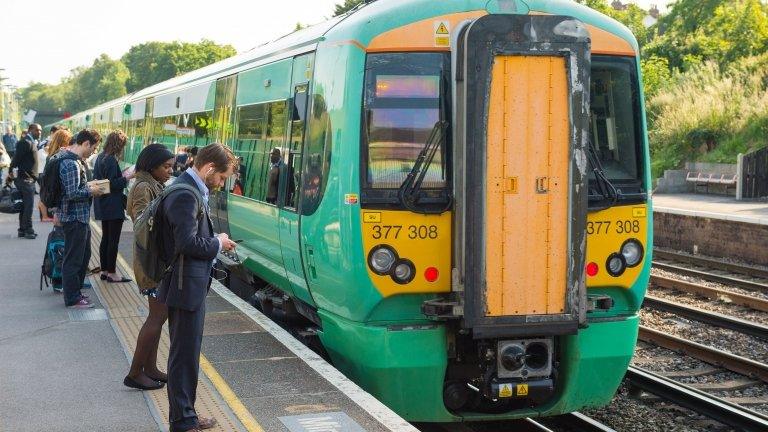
(463, 204)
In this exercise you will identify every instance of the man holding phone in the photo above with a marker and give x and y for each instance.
(189, 242)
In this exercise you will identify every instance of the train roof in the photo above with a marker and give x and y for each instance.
(363, 22)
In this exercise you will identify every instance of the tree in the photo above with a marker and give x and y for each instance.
(632, 17)
(154, 62)
(723, 31)
(103, 81)
(348, 5)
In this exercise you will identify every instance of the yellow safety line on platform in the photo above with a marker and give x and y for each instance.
(226, 393)
(229, 396)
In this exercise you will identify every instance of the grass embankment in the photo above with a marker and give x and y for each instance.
(710, 115)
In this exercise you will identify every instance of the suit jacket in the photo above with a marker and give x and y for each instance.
(112, 205)
(193, 238)
(25, 158)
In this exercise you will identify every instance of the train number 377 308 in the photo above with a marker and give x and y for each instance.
(421, 232)
(613, 227)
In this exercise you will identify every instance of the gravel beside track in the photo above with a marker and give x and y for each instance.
(727, 340)
(710, 305)
(705, 282)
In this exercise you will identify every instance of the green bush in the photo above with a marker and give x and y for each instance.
(708, 114)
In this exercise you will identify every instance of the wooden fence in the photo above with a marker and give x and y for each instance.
(755, 174)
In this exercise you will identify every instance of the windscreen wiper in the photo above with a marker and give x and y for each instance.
(604, 186)
(410, 189)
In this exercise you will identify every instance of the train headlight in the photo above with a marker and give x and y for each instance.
(381, 259)
(404, 272)
(632, 251)
(616, 265)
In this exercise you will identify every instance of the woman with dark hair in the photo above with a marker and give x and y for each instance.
(110, 208)
(154, 167)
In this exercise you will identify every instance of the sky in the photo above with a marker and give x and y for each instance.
(42, 40)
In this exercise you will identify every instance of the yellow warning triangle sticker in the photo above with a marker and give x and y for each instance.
(442, 29)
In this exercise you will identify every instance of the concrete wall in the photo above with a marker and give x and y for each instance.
(711, 168)
(673, 182)
(713, 237)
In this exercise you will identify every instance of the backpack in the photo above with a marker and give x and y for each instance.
(10, 200)
(148, 236)
(53, 258)
(50, 182)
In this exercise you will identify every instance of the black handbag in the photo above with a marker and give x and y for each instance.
(10, 200)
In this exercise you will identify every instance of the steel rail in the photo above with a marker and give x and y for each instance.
(705, 316)
(711, 263)
(707, 354)
(579, 422)
(725, 280)
(723, 411)
(711, 293)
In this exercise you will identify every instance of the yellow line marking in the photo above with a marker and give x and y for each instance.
(229, 396)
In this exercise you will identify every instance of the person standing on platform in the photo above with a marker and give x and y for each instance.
(23, 170)
(189, 242)
(110, 208)
(9, 141)
(74, 213)
(154, 167)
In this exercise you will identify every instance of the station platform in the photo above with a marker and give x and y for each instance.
(717, 226)
(62, 369)
(712, 206)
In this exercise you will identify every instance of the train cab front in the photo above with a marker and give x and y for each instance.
(526, 336)
(484, 171)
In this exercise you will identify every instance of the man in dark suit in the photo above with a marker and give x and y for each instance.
(188, 236)
(24, 164)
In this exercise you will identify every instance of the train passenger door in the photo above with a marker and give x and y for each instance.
(290, 177)
(223, 126)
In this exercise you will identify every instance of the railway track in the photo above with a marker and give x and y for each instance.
(741, 276)
(715, 356)
(728, 413)
(573, 422)
(708, 317)
(751, 302)
(742, 269)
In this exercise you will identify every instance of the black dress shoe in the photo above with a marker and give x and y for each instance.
(30, 235)
(121, 280)
(130, 382)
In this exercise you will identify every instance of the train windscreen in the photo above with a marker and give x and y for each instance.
(615, 129)
(403, 102)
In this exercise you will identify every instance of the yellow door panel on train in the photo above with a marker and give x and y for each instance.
(527, 186)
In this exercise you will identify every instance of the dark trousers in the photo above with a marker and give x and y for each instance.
(186, 328)
(27, 189)
(110, 237)
(77, 253)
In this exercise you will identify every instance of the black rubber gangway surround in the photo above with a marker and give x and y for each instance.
(480, 43)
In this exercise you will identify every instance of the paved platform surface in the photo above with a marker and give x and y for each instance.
(712, 206)
(57, 373)
(61, 371)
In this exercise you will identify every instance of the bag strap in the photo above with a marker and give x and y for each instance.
(199, 199)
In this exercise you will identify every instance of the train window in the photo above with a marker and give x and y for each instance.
(615, 129)
(315, 176)
(292, 157)
(251, 148)
(404, 99)
(164, 131)
(194, 129)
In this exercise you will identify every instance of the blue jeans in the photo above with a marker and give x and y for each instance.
(77, 254)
